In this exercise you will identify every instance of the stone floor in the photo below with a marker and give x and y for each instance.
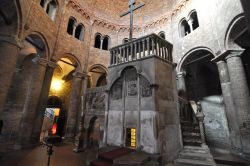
(62, 156)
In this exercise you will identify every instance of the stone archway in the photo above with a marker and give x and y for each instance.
(98, 76)
(23, 96)
(237, 60)
(199, 81)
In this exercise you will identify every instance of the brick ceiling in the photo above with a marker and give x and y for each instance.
(111, 9)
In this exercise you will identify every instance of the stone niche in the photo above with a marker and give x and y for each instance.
(143, 96)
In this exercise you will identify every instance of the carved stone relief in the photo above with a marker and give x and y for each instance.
(145, 88)
(116, 90)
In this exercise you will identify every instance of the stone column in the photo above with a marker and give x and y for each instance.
(240, 94)
(30, 105)
(148, 45)
(80, 138)
(143, 48)
(74, 105)
(230, 107)
(190, 23)
(9, 49)
(135, 45)
(43, 100)
(182, 92)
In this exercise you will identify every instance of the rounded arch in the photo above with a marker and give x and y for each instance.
(162, 34)
(98, 65)
(40, 41)
(190, 52)
(193, 16)
(98, 38)
(79, 32)
(184, 28)
(98, 75)
(52, 8)
(190, 13)
(106, 42)
(71, 23)
(234, 30)
(73, 59)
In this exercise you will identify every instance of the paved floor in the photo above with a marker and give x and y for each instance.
(62, 156)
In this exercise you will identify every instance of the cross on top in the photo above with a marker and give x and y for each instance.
(132, 8)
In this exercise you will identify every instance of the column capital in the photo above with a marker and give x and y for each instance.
(181, 74)
(234, 53)
(79, 75)
(52, 64)
(227, 54)
(42, 62)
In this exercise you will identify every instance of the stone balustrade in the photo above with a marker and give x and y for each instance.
(150, 45)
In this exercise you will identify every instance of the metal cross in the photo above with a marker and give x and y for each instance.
(132, 8)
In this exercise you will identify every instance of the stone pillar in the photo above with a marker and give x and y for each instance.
(240, 94)
(182, 92)
(143, 48)
(43, 100)
(148, 45)
(80, 138)
(190, 23)
(230, 107)
(135, 44)
(29, 112)
(9, 50)
(74, 105)
(153, 46)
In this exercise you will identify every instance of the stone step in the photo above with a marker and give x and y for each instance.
(192, 142)
(190, 162)
(189, 129)
(196, 149)
(191, 134)
(196, 156)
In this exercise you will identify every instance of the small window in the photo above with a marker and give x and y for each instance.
(194, 19)
(79, 33)
(51, 9)
(98, 41)
(162, 35)
(71, 24)
(125, 40)
(184, 28)
(105, 43)
(42, 3)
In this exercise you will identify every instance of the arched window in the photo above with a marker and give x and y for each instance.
(184, 28)
(162, 35)
(98, 41)
(79, 33)
(42, 3)
(51, 9)
(105, 43)
(194, 19)
(125, 40)
(71, 24)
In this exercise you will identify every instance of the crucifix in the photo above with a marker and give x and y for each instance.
(132, 8)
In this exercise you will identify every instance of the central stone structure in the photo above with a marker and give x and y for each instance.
(142, 98)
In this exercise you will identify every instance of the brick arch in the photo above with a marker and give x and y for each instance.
(189, 53)
(73, 59)
(234, 28)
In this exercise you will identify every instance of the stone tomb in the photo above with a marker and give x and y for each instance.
(142, 101)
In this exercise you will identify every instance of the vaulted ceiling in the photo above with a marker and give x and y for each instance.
(111, 9)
